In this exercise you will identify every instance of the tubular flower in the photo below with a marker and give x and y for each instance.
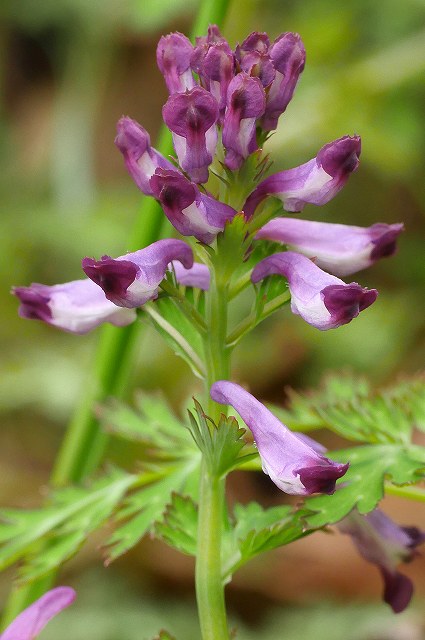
(132, 280)
(338, 248)
(321, 299)
(34, 618)
(77, 306)
(192, 117)
(382, 542)
(246, 102)
(315, 182)
(173, 56)
(191, 212)
(197, 276)
(287, 55)
(140, 158)
(214, 63)
(294, 466)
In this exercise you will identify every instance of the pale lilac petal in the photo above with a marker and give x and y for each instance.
(77, 306)
(34, 618)
(294, 466)
(315, 182)
(133, 279)
(192, 117)
(173, 56)
(191, 212)
(382, 542)
(337, 248)
(287, 54)
(322, 300)
(197, 276)
(140, 158)
(246, 102)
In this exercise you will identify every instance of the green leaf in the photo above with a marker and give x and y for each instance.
(363, 484)
(258, 530)
(64, 523)
(145, 506)
(179, 525)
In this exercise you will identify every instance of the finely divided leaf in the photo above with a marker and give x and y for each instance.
(179, 525)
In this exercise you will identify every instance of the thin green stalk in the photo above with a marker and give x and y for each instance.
(411, 493)
(84, 444)
(253, 319)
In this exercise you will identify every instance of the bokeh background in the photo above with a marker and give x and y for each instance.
(69, 69)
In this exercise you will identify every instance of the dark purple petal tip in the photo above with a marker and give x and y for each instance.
(398, 590)
(340, 157)
(321, 478)
(344, 302)
(113, 276)
(34, 302)
(386, 242)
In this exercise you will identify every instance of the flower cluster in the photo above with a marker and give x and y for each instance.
(222, 105)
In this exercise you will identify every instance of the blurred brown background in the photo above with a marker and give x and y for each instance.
(69, 70)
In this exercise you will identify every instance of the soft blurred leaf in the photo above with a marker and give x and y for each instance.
(179, 526)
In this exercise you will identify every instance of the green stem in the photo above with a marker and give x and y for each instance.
(188, 309)
(411, 493)
(253, 319)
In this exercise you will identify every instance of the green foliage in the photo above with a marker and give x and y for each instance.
(164, 635)
(257, 530)
(63, 524)
(179, 525)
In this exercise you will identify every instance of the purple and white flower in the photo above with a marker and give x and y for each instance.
(382, 542)
(292, 464)
(246, 102)
(140, 158)
(190, 211)
(77, 306)
(338, 248)
(192, 117)
(133, 279)
(214, 63)
(28, 624)
(173, 55)
(322, 300)
(315, 182)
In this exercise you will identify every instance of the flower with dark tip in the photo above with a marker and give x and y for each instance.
(28, 624)
(322, 300)
(287, 55)
(246, 102)
(140, 158)
(292, 464)
(382, 542)
(190, 211)
(197, 276)
(214, 63)
(315, 182)
(132, 280)
(173, 56)
(338, 248)
(77, 306)
(256, 41)
(192, 117)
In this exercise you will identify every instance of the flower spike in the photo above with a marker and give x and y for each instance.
(321, 299)
(28, 624)
(77, 306)
(315, 182)
(338, 248)
(132, 280)
(384, 543)
(294, 466)
(173, 56)
(189, 210)
(140, 158)
(192, 117)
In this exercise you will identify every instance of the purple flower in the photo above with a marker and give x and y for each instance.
(337, 248)
(140, 158)
(315, 182)
(197, 276)
(322, 300)
(173, 55)
(246, 102)
(132, 280)
(287, 54)
(192, 117)
(256, 41)
(34, 618)
(191, 212)
(77, 306)
(214, 63)
(383, 542)
(213, 35)
(294, 466)
(260, 66)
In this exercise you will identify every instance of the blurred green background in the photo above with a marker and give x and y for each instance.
(69, 70)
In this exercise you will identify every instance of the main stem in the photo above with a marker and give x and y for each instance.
(209, 582)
